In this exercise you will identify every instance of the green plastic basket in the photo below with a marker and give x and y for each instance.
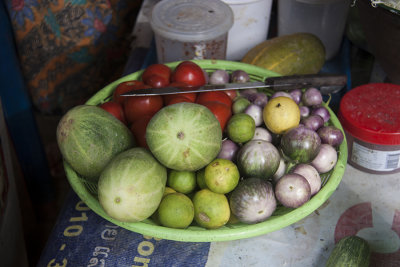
(281, 218)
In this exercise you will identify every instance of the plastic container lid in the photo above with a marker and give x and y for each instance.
(320, 2)
(191, 20)
(371, 113)
(240, 2)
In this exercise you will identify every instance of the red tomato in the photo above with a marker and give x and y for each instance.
(221, 111)
(178, 99)
(123, 88)
(135, 107)
(156, 69)
(189, 73)
(115, 109)
(138, 128)
(217, 96)
(231, 93)
(191, 96)
(157, 81)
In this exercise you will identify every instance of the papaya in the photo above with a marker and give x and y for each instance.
(89, 137)
(298, 53)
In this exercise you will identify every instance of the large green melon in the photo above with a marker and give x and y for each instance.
(131, 186)
(89, 137)
(184, 136)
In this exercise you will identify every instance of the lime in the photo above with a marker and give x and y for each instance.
(240, 104)
(176, 211)
(221, 176)
(241, 128)
(182, 181)
(201, 182)
(281, 114)
(211, 210)
(168, 190)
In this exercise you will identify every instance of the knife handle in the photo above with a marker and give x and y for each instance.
(306, 80)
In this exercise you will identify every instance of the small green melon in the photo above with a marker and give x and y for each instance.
(184, 136)
(89, 137)
(132, 185)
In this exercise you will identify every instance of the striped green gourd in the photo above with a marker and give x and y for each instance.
(89, 137)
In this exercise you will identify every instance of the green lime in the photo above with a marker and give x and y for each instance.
(240, 104)
(176, 211)
(221, 176)
(168, 190)
(182, 181)
(211, 210)
(241, 128)
(200, 178)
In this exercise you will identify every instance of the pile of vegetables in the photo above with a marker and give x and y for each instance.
(304, 153)
(285, 167)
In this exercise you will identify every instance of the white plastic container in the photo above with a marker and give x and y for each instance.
(324, 18)
(250, 26)
(191, 29)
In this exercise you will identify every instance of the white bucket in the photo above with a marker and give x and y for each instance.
(323, 18)
(250, 26)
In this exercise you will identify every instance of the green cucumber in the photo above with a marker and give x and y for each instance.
(351, 251)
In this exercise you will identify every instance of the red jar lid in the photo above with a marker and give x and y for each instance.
(371, 113)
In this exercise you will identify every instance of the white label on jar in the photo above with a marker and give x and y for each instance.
(376, 160)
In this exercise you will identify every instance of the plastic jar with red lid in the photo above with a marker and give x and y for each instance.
(370, 116)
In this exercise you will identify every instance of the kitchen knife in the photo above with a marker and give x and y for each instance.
(327, 83)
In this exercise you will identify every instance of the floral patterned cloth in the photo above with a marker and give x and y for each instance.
(69, 49)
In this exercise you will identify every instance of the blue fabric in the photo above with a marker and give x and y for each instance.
(12, 87)
(82, 238)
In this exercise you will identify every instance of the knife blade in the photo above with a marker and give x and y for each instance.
(327, 83)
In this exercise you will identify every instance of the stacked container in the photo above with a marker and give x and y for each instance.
(370, 116)
(190, 29)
